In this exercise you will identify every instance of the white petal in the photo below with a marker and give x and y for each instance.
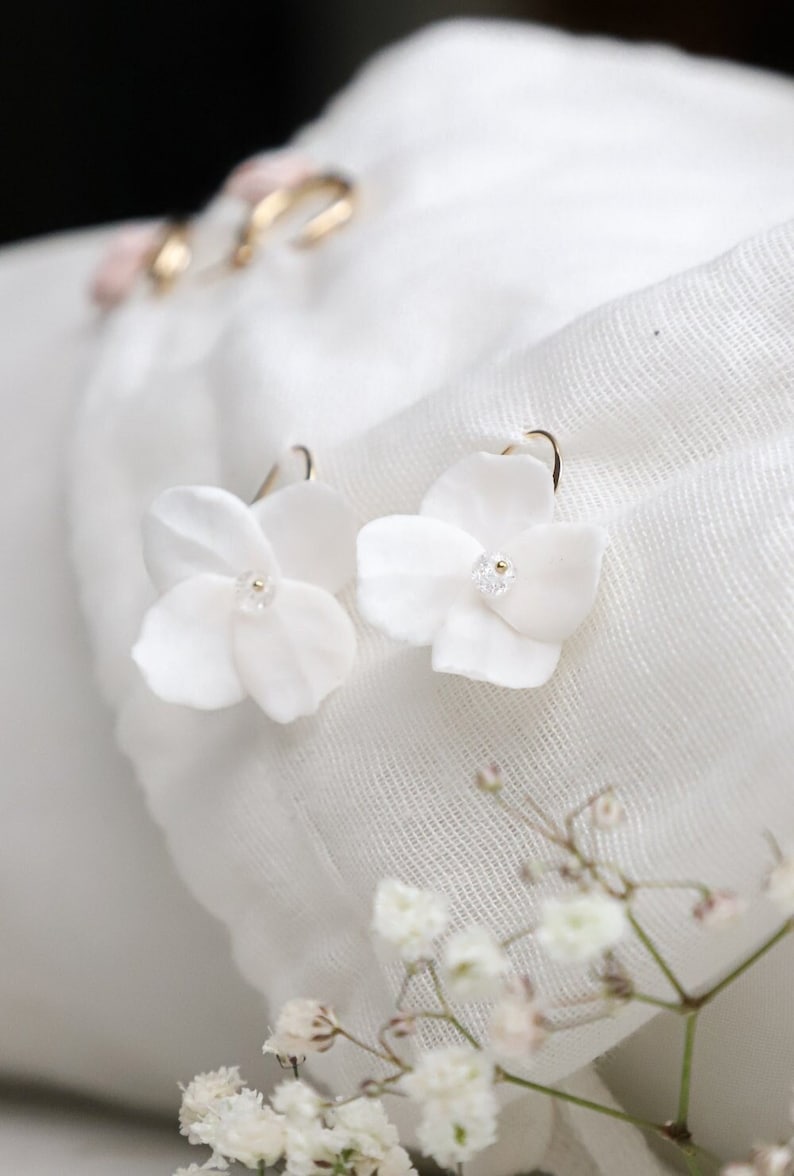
(478, 644)
(411, 570)
(193, 529)
(295, 652)
(557, 568)
(492, 497)
(312, 531)
(184, 650)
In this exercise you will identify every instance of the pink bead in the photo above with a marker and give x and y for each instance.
(257, 177)
(124, 260)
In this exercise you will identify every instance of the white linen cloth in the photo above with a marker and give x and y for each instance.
(512, 179)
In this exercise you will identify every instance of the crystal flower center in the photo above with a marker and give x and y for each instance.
(254, 591)
(493, 573)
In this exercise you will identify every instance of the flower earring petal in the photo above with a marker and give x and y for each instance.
(560, 567)
(477, 644)
(410, 571)
(490, 498)
(184, 652)
(193, 529)
(293, 656)
(313, 533)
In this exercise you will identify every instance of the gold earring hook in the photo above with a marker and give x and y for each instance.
(275, 205)
(171, 257)
(310, 472)
(526, 436)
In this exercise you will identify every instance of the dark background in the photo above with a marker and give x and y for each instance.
(109, 110)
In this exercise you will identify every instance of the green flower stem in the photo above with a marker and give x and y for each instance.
(668, 1005)
(692, 1165)
(686, 1073)
(447, 1011)
(586, 1104)
(383, 1057)
(661, 963)
(773, 941)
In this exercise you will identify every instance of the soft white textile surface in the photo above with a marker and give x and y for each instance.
(513, 178)
(113, 980)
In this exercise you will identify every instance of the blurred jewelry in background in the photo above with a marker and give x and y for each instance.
(270, 185)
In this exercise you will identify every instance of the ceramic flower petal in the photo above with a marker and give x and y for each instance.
(476, 643)
(193, 529)
(411, 570)
(492, 498)
(313, 533)
(295, 652)
(557, 568)
(184, 651)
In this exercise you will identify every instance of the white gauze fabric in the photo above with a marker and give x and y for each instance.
(671, 410)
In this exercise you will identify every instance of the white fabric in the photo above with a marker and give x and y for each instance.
(113, 979)
(513, 178)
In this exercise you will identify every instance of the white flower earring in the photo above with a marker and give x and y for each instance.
(248, 596)
(482, 574)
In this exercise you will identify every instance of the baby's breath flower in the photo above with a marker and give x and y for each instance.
(408, 918)
(296, 1101)
(203, 1094)
(241, 1128)
(396, 1162)
(607, 811)
(773, 1160)
(454, 1087)
(518, 1026)
(582, 926)
(303, 1026)
(213, 1164)
(474, 964)
(718, 909)
(366, 1127)
(780, 886)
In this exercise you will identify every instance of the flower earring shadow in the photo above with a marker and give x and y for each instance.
(247, 605)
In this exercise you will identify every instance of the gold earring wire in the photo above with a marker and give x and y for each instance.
(275, 205)
(171, 257)
(527, 435)
(310, 472)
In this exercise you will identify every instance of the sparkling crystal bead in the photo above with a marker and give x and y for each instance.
(493, 573)
(254, 591)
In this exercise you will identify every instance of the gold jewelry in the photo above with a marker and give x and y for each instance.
(275, 205)
(527, 435)
(171, 257)
(310, 471)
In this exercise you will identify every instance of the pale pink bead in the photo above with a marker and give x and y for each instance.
(257, 177)
(125, 258)
(719, 909)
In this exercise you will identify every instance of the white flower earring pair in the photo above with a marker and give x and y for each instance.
(248, 607)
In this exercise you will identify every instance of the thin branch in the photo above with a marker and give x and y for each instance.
(586, 1104)
(661, 963)
(773, 941)
(685, 1087)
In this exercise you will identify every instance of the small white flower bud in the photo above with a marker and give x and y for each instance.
(408, 918)
(718, 909)
(780, 886)
(606, 811)
(403, 1025)
(303, 1027)
(490, 779)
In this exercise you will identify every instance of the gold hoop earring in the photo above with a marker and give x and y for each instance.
(275, 205)
(310, 472)
(527, 435)
(171, 257)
